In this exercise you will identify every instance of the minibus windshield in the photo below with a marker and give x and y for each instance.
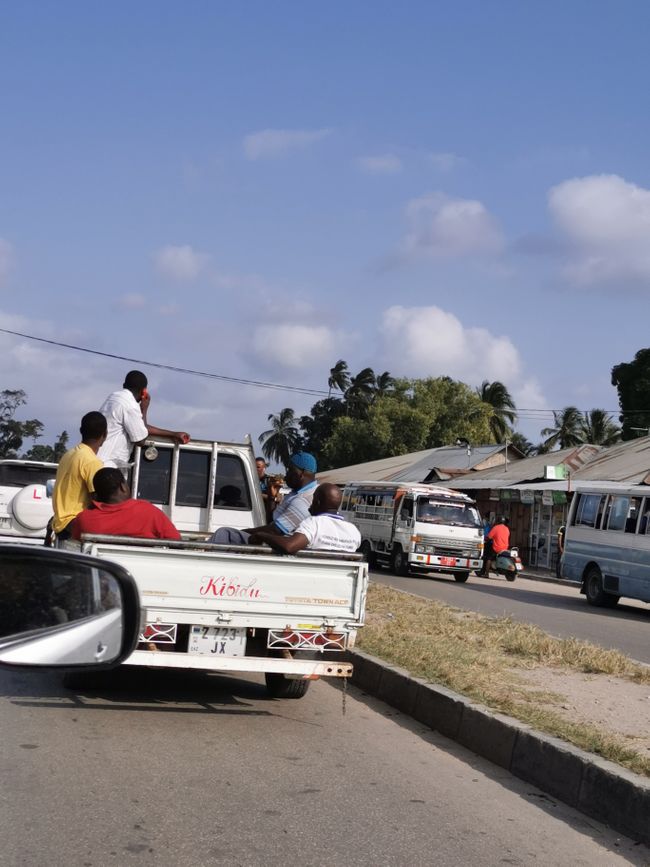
(456, 514)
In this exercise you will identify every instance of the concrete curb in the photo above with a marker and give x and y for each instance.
(599, 789)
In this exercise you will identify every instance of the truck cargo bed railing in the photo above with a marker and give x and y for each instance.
(208, 547)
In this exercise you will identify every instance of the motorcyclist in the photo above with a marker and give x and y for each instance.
(499, 538)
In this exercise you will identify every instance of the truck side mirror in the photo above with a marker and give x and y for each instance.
(60, 609)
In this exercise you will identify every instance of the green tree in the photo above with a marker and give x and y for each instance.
(504, 411)
(392, 427)
(49, 453)
(453, 409)
(524, 445)
(632, 380)
(384, 384)
(283, 438)
(14, 432)
(339, 377)
(567, 429)
(599, 429)
(359, 393)
(318, 425)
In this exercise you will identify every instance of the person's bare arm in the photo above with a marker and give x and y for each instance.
(267, 528)
(285, 544)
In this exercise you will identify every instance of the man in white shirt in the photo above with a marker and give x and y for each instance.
(126, 415)
(324, 530)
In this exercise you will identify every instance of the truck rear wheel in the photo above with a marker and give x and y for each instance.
(368, 554)
(279, 686)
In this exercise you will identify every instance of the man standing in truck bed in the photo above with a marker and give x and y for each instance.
(126, 415)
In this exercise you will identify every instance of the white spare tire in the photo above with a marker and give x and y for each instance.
(32, 508)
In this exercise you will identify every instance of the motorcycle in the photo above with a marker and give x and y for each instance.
(508, 563)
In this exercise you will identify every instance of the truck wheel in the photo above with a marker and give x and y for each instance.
(594, 590)
(279, 686)
(461, 577)
(399, 563)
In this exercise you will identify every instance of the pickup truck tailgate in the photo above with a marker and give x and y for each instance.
(257, 588)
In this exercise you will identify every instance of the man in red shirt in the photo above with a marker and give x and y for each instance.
(114, 513)
(499, 537)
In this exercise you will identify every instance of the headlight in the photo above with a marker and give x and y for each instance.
(425, 549)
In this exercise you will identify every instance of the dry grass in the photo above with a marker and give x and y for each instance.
(485, 658)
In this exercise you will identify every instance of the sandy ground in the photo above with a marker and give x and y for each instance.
(610, 703)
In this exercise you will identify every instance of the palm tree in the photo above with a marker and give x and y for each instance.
(283, 438)
(567, 430)
(359, 393)
(384, 383)
(519, 441)
(599, 429)
(504, 411)
(339, 377)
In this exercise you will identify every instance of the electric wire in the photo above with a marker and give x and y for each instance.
(526, 413)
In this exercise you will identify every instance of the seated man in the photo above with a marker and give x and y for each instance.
(114, 513)
(325, 530)
(294, 508)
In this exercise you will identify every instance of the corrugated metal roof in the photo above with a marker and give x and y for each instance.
(528, 469)
(625, 462)
(413, 467)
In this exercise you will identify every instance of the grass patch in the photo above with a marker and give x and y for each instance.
(484, 658)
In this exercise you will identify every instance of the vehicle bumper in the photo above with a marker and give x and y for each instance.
(302, 667)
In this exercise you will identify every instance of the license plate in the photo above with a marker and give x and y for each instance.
(448, 561)
(217, 641)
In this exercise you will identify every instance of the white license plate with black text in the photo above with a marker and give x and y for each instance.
(217, 641)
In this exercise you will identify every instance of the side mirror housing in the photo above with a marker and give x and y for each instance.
(60, 609)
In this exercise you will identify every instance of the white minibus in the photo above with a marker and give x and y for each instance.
(607, 543)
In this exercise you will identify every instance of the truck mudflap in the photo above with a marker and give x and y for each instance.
(299, 667)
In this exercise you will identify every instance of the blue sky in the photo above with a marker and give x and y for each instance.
(259, 189)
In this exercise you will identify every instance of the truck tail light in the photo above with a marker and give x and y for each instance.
(306, 640)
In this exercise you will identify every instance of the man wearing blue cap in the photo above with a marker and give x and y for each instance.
(300, 476)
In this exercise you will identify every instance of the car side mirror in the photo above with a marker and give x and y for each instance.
(59, 609)
(49, 487)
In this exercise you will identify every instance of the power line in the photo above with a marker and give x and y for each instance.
(221, 377)
(529, 413)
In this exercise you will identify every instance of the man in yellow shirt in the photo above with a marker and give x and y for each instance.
(74, 476)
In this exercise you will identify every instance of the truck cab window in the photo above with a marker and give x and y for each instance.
(153, 483)
(231, 489)
(193, 478)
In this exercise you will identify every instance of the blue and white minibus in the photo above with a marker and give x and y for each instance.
(607, 543)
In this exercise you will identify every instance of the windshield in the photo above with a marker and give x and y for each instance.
(19, 475)
(432, 511)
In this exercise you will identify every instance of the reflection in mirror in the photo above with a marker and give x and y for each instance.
(55, 611)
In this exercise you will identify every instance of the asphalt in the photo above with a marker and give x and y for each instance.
(600, 789)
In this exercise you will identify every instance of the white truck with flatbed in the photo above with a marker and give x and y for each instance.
(416, 528)
(232, 608)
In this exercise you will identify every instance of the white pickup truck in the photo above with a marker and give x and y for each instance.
(232, 608)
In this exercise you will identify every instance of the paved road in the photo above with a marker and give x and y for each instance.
(187, 769)
(558, 609)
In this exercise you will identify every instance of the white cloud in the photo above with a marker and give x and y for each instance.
(294, 346)
(444, 226)
(277, 142)
(606, 223)
(444, 161)
(429, 341)
(6, 259)
(181, 263)
(385, 164)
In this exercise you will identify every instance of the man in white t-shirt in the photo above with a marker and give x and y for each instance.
(324, 530)
(126, 416)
